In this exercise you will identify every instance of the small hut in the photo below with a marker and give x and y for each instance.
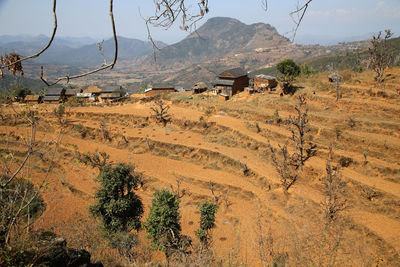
(265, 82)
(199, 88)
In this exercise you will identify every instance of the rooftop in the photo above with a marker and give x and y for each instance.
(55, 91)
(233, 73)
(223, 82)
(267, 77)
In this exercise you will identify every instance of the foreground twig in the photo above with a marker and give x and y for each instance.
(103, 67)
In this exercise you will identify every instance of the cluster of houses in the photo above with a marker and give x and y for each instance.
(58, 94)
(226, 84)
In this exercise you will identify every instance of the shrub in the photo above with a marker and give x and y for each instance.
(207, 222)
(163, 226)
(345, 161)
(119, 208)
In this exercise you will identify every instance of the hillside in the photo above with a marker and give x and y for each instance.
(257, 222)
(9, 82)
(353, 59)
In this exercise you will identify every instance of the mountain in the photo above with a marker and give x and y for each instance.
(65, 51)
(218, 37)
(69, 41)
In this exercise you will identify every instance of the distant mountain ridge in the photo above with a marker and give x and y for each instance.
(75, 51)
(221, 36)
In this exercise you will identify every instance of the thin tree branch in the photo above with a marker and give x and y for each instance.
(44, 48)
(300, 10)
(103, 67)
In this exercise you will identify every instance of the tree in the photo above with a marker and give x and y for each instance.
(334, 188)
(336, 79)
(307, 70)
(95, 160)
(160, 113)
(289, 70)
(119, 208)
(289, 164)
(21, 92)
(380, 56)
(163, 226)
(283, 165)
(207, 222)
(299, 128)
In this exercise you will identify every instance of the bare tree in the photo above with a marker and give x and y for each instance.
(160, 113)
(336, 79)
(283, 164)
(104, 131)
(288, 164)
(299, 128)
(334, 188)
(380, 55)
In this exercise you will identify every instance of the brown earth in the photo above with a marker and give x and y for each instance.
(198, 148)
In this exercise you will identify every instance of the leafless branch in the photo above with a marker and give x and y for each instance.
(264, 4)
(25, 200)
(44, 48)
(103, 67)
(169, 11)
(178, 192)
(216, 198)
(300, 12)
(334, 188)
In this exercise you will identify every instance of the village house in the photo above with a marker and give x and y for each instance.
(33, 99)
(90, 94)
(199, 88)
(110, 97)
(71, 93)
(159, 89)
(110, 93)
(232, 81)
(54, 95)
(264, 82)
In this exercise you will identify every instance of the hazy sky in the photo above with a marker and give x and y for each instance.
(78, 18)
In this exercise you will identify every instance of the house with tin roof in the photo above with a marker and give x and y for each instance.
(231, 82)
(54, 95)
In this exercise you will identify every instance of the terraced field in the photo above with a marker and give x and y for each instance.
(227, 143)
